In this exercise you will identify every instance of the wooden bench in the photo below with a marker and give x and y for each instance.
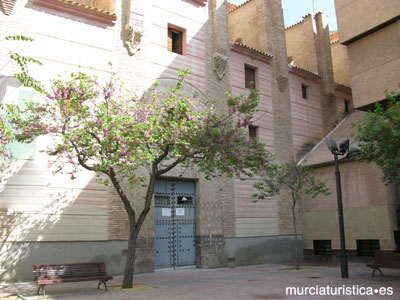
(385, 260)
(56, 273)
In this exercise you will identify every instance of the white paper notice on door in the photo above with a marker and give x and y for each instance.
(166, 212)
(180, 211)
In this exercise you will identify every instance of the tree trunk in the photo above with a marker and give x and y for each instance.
(134, 226)
(296, 247)
(134, 229)
(130, 256)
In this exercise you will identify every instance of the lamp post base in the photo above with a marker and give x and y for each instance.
(344, 266)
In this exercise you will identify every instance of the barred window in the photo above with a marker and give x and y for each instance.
(367, 247)
(322, 247)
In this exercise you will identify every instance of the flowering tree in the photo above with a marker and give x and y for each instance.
(117, 135)
(8, 112)
(299, 180)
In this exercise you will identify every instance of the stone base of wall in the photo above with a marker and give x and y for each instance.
(144, 255)
(335, 256)
(262, 250)
(210, 251)
(16, 259)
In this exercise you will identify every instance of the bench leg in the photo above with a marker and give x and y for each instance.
(41, 286)
(104, 283)
(373, 272)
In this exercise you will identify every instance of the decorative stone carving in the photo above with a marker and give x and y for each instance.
(220, 65)
(132, 39)
(283, 83)
(7, 6)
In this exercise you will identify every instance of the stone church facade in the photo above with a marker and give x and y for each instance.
(48, 218)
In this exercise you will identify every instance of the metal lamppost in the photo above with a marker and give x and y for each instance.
(341, 150)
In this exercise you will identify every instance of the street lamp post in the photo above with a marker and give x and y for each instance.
(341, 150)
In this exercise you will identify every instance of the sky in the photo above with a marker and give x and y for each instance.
(294, 10)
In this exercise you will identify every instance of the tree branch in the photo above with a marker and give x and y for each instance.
(170, 167)
(161, 157)
(81, 162)
(80, 159)
(95, 137)
(149, 197)
(128, 207)
(64, 127)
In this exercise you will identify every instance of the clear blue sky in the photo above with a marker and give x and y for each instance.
(294, 10)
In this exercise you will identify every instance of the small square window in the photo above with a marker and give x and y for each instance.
(253, 131)
(176, 39)
(250, 77)
(304, 91)
(322, 247)
(346, 106)
(397, 240)
(367, 247)
(398, 216)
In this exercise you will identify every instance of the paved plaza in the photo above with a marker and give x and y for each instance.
(251, 282)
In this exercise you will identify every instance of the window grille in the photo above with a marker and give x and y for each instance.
(322, 247)
(367, 247)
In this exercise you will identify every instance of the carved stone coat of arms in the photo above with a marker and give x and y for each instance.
(220, 65)
(132, 39)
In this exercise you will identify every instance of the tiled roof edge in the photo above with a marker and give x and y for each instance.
(201, 2)
(337, 84)
(252, 49)
(271, 56)
(237, 6)
(305, 70)
(295, 24)
(88, 7)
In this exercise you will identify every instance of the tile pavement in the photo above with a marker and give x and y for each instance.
(250, 282)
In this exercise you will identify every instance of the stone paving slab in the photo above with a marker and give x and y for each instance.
(252, 282)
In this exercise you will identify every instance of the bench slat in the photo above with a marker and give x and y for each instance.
(75, 279)
(69, 264)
